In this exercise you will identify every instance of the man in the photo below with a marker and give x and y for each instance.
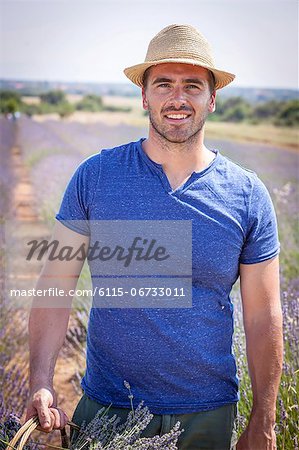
(178, 360)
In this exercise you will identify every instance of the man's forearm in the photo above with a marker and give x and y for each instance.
(47, 327)
(264, 341)
(47, 330)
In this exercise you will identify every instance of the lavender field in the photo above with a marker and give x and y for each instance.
(50, 152)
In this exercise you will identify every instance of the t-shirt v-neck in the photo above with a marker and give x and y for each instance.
(158, 168)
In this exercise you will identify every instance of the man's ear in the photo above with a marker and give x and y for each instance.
(212, 104)
(144, 99)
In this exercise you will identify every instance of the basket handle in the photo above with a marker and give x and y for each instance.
(24, 432)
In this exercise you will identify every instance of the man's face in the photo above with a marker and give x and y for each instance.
(178, 99)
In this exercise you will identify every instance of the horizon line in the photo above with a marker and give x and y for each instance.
(126, 83)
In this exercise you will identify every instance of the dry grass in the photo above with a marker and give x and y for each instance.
(133, 102)
(263, 133)
(31, 100)
(74, 98)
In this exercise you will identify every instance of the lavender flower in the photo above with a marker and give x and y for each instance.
(8, 429)
(104, 433)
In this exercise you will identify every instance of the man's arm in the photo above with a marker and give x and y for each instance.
(264, 346)
(47, 329)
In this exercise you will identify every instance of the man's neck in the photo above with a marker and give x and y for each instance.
(178, 160)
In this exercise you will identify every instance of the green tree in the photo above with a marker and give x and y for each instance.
(232, 102)
(30, 109)
(90, 102)
(10, 102)
(288, 114)
(65, 109)
(266, 110)
(10, 106)
(53, 97)
(236, 109)
(6, 95)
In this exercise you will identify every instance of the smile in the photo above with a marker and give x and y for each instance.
(177, 116)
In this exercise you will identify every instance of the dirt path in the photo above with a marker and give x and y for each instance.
(22, 215)
(23, 197)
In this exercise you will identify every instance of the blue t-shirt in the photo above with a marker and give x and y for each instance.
(176, 360)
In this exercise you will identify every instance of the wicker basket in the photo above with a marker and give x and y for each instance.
(25, 431)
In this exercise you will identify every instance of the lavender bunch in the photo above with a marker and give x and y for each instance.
(8, 429)
(104, 433)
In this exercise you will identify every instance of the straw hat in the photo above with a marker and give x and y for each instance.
(179, 44)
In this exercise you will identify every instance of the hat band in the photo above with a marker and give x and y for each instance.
(198, 59)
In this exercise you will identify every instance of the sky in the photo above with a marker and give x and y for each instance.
(94, 40)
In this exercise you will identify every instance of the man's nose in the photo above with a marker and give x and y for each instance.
(178, 97)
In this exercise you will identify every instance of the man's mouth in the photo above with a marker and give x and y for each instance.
(177, 117)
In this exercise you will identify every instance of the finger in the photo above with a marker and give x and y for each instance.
(56, 417)
(46, 419)
(61, 418)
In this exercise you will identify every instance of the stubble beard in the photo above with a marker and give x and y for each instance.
(177, 137)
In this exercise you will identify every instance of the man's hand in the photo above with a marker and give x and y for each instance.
(43, 403)
(255, 438)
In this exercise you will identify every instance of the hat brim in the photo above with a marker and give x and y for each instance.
(135, 73)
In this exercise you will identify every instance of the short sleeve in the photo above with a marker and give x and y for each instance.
(78, 196)
(262, 240)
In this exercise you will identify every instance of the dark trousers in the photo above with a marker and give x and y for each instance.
(206, 430)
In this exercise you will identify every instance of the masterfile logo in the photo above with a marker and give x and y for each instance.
(131, 264)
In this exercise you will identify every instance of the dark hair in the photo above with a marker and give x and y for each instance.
(145, 77)
(211, 79)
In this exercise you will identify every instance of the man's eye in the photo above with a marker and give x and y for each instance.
(192, 86)
(163, 85)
